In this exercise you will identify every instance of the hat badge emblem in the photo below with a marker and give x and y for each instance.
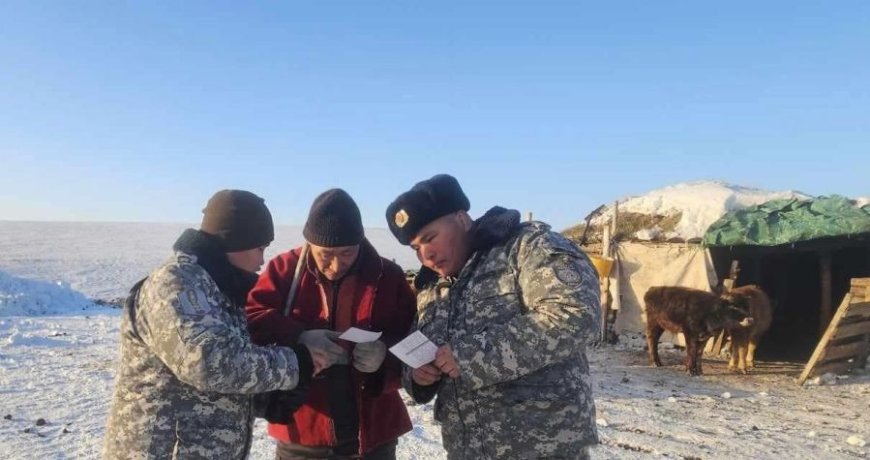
(401, 218)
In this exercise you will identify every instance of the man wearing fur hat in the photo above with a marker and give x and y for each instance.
(188, 367)
(355, 410)
(511, 306)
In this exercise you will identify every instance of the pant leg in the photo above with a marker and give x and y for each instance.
(289, 451)
(383, 452)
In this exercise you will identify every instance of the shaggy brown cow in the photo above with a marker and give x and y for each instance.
(697, 314)
(744, 340)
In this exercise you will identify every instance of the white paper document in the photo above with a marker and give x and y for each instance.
(415, 350)
(359, 336)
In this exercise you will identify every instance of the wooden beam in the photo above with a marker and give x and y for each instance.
(860, 288)
(844, 351)
(851, 330)
(825, 279)
(606, 303)
(857, 310)
(615, 218)
(823, 343)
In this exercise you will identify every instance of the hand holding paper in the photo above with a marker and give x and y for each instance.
(415, 350)
(446, 362)
(359, 335)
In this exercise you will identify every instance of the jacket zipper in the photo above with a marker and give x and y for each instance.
(456, 394)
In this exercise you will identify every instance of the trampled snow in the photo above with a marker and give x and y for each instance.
(57, 363)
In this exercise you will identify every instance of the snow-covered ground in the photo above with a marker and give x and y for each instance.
(701, 202)
(58, 353)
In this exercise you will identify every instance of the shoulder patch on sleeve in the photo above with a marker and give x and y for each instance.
(567, 273)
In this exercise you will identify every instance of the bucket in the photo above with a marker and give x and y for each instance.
(602, 265)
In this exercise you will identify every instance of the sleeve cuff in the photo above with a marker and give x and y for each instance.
(306, 365)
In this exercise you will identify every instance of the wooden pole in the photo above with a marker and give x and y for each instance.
(613, 221)
(715, 344)
(825, 279)
(607, 299)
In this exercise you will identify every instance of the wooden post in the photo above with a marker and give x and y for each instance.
(607, 301)
(860, 290)
(715, 344)
(825, 278)
(613, 221)
(529, 216)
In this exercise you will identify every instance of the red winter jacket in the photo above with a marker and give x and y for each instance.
(382, 301)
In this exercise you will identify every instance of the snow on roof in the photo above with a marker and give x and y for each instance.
(701, 204)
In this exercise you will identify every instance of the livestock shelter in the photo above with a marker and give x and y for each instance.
(803, 254)
(641, 265)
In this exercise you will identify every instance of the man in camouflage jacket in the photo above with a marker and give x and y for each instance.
(188, 368)
(511, 306)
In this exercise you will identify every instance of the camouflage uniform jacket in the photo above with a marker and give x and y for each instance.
(187, 371)
(517, 318)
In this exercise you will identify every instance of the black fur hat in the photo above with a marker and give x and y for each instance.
(426, 201)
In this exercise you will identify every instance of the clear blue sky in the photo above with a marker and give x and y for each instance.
(138, 111)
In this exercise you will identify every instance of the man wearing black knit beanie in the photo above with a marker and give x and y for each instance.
(355, 410)
(188, 370)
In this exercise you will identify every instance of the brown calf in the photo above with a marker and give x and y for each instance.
(697, 314)
(744, 340)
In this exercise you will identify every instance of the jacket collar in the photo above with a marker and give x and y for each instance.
(231, 280)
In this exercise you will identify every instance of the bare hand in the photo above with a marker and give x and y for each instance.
(445, 361)
(426, 375)
(321, 344)
(320, 358)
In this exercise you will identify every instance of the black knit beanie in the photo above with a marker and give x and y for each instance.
(334, 220)
(239, 219)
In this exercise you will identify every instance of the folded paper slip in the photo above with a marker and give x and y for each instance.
(415, 350)
(359, 335)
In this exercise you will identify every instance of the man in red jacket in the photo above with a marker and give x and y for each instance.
(353, 410)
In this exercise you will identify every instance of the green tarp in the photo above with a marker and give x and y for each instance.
(789, 221)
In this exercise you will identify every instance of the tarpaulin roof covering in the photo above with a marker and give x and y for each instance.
(788, 221)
